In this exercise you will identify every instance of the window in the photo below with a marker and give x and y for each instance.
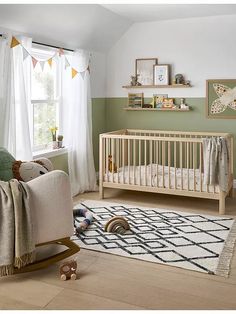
(44, 111)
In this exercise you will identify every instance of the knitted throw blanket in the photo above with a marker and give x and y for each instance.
(17, 244)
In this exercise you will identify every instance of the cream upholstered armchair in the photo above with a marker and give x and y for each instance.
(51, 203)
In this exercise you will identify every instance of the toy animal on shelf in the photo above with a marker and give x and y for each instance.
(111, 165)
(68, 270)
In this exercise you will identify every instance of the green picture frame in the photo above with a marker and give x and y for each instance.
(221, 99)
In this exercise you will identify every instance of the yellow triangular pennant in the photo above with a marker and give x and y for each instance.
(73, 72)
(14, 42)
(50, 62)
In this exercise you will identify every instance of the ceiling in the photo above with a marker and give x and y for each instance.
(160, 12)
(94, 26)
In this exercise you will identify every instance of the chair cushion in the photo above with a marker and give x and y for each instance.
(6, 161)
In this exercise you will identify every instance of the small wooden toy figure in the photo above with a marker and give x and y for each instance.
(68, 270)
(110, 164)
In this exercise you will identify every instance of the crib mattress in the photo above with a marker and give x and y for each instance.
(158, 176)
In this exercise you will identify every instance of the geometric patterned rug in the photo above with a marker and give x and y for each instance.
(197, 242)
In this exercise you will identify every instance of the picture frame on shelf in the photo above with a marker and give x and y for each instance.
(135, 100)
(161, 74)
(168, 103)
(158, 100)
(144, 70)
(221, 99)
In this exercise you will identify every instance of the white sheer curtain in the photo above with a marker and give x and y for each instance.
(77, 123)
(15, 98)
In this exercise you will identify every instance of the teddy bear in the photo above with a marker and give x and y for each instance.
(26, 171)
(68, 270)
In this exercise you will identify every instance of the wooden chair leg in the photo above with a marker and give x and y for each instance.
(231, 192)
(72, 249)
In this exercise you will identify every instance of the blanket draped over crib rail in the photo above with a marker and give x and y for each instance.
(17, 243)
(216, 162)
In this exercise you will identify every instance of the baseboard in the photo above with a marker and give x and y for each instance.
(234, 184)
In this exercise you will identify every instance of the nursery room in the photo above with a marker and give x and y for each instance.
(117, 167)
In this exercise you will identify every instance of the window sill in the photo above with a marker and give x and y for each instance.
(48, 153)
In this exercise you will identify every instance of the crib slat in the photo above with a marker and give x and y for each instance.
(123, 159)
(181, 163)
(194, 156)
(200, 166)
(163, 160)
(188, 163)
(107, 158)
(169, 185)
(139, 159)
(150, 159)
(175, 185)
(129, 161)
(145, 161)
(118, 159)
(157, 161)
(134, 161)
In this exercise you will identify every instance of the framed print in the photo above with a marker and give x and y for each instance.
(144, 70)
(221, 99)
(161, 74)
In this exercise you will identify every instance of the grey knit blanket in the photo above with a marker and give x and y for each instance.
(216, 162)
(17, 243)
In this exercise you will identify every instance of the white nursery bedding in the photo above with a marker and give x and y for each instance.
(154, 177)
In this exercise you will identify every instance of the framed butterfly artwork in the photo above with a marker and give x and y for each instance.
(221, 99)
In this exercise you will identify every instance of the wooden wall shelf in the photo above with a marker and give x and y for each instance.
(158, 86)
(154, 109)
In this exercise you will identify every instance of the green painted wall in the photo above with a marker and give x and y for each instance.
(195, 120)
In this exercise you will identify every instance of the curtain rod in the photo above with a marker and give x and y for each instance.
(46, 45)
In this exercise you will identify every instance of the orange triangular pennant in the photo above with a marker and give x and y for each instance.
(14, 42)
(34, 61)
(73, 72)
(61, 52)
(50, 62)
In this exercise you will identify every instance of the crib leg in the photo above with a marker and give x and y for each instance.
(222, 203)
(101, 191)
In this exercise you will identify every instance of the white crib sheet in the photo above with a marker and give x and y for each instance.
(154, 175)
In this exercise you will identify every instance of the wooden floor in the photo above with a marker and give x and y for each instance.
(112, 282)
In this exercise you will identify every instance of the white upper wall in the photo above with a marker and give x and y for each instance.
(199, 48)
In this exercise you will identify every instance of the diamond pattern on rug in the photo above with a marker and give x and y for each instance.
(164, 236)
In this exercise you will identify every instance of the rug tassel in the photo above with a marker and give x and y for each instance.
(223, 267)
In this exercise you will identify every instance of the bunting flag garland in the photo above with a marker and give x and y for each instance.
(42, 64)
(34, 61)
(50, 62)
(14, 42)
(60, 53)
(73, 72)
(25, 53)
(67, 64)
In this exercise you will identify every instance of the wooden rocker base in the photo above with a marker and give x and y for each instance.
(72, 249)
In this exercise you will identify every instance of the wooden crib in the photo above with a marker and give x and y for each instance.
(169, 162)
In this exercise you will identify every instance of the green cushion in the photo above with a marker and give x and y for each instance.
(6, 160)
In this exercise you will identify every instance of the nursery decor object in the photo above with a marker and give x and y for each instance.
(195, 242)
(135, 100)
(161, 74)
(221, 99)
(144, 68)
(68, 270)
(117, 225)
(80, 226)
